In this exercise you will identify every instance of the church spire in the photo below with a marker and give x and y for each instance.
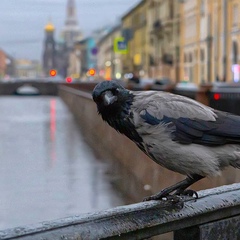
(71, 19)
(71, 31)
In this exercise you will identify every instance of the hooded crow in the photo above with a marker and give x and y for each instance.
(176, 132)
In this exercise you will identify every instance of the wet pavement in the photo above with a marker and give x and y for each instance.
(47, 170)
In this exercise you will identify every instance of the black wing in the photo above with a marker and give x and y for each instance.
(225, 129)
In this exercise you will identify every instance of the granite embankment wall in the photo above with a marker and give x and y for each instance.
(135, 174)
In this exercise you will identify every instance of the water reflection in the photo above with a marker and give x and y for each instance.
(47, 171)
(52, 130)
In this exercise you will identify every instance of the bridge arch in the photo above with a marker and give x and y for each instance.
(42, 87)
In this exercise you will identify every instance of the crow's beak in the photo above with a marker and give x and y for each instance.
(109, 98)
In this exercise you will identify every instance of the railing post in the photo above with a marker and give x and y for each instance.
(187, 233)
(228, 228)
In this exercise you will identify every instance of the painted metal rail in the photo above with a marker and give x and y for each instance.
(215, 215)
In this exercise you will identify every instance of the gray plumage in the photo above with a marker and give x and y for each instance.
(176, 132)
(166, 147)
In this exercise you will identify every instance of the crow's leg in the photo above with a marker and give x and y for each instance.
(190, 180)
(178, 187)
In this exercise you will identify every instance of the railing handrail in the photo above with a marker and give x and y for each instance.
(144, 220)
(76, 91)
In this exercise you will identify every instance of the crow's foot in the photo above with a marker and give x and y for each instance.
(178, 189)
(153, 197)
(163, 195)
(173, 197)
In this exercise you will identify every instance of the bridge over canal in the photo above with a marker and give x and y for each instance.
(41, 87)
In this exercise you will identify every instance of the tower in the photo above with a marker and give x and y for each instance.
(71, 31)
(49, 49)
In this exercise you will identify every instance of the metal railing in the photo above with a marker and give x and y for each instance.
(214, 215)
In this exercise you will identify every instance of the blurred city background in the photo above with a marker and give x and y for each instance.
(59, 160)
(180, 41)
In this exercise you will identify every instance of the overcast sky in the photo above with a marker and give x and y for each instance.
(22, 21)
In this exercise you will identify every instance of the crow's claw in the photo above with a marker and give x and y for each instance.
(155, 197)
(173, 198)
(163, 195)
(149, 198)
(190, 192)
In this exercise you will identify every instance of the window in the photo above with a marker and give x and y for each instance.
(190, 26)
(202, 8)
(235, 52)
(171, 9)
(202, 55)
(190, 57)
(235, 15)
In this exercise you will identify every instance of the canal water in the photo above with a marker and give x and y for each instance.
(47, 170)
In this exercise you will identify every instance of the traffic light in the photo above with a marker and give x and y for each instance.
(91, 72)
(52, 72)
(68, 79)
(216, 96)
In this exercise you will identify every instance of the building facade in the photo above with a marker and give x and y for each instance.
(10, 66)
(136, 33)
(209, 41)
(152, 30)
(195, 37)
(109, 62)
(225, 50)
(88, 55)
(7, 66)
(83, 58)
(3, 64)
(62, 58)
(74, 62)
(163, 20)
(28, 69)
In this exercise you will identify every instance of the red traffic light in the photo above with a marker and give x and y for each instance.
(68, 79)
(216, 96)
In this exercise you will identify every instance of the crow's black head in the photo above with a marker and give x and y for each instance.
(114, 104)
(112, 99)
